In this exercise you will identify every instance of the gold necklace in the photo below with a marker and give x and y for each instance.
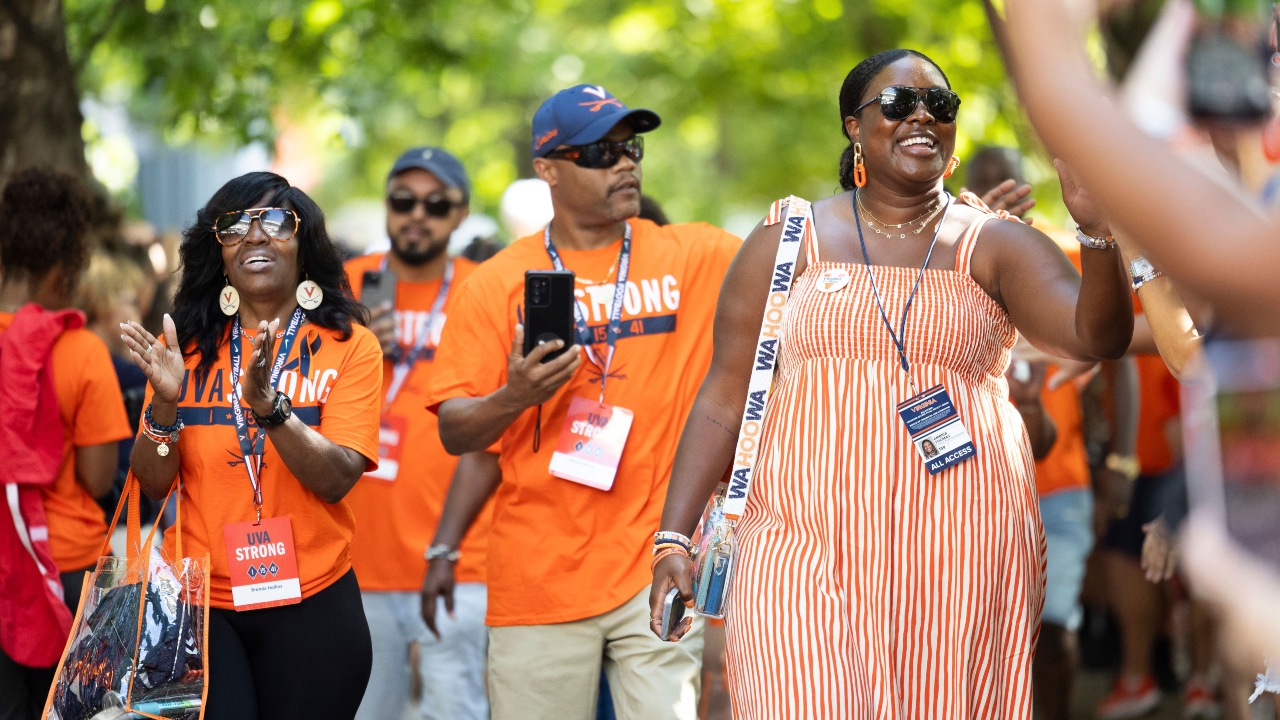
(924, 219)
(607, 275)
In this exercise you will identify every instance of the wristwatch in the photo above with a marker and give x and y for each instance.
(1097, 243)
(281, 412)
(436, 552)
(1127, 465)
(1141, 272)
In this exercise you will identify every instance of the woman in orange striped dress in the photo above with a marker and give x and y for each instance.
(867, 587)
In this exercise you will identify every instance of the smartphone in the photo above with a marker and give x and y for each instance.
(548, 309)
(378, 288)
(1228, 63)
(1232, 434)
(672, 613)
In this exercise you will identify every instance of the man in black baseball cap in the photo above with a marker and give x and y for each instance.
(411, 289)
(573, 521)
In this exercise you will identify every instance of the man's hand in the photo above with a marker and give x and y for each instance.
(438, 583)
(532, 382)
(382, 321)
(1159, 557)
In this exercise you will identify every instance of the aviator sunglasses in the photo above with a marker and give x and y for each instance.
(897, 102)
(278, 224)
(602, 154)
(437, 207)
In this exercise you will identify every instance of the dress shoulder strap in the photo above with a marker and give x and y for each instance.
(969, 241)
(778, 212)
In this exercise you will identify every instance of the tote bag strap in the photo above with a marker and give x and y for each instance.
(133, 519)
(797, 229)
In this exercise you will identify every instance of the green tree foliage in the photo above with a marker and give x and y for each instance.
(746, 88)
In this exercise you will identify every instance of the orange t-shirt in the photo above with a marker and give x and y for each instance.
(336, 389)
(560, 551)
(1066, 467)
(1161, 403)
(92, 411)
(395, 520)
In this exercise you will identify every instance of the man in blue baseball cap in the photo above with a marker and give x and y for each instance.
(574, 515)
(411, 291)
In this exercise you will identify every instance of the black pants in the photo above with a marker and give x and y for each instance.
(23, 690)
(308, 661)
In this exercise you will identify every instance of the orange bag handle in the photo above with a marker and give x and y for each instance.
(133, 519)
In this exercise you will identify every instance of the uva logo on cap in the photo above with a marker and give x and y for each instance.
(426, 154)
(597, 90)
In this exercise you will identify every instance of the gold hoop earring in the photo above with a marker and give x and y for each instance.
(859, 169)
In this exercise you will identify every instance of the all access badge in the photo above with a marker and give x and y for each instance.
(833, 280)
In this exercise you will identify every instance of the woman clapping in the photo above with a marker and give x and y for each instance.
(263, 405)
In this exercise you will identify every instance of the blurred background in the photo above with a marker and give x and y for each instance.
(163, 100)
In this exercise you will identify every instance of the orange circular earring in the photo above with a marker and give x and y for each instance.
(859, 170)
(952, 164)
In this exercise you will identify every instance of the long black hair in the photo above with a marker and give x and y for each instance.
(200, 321)
(855, 86)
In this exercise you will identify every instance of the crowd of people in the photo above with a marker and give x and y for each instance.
(965, 479)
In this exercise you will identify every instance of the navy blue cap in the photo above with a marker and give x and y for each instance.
(438, 162)
(581, 115)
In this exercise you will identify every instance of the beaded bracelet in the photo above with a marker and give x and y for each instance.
(162, 429)
(667, 536)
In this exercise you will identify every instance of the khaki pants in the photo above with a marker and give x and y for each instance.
(553, 671)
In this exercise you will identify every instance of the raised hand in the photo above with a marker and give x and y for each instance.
(1010, 197)
(160, 361)
(1083, 208)
(255, 386)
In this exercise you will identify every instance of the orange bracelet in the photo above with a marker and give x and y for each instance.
(669, 545)
(669, 551)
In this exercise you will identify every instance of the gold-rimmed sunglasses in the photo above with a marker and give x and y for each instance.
(278, 224)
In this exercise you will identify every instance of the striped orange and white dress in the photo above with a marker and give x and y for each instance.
(868, 588)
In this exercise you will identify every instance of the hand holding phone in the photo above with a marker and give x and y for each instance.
(548, 310)
(378, 294)
(532, 379)
(672, 615)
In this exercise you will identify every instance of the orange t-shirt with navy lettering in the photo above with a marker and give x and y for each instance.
(92, 412)
(560, 551)
(396, 519)
(335, 387)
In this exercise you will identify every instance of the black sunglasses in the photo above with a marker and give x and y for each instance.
(435, 207)
(897, 102)
(602, 154)
(278, 224)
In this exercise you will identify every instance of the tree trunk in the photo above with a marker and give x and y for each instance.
(39, 105)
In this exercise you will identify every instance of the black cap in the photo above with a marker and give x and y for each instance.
(438, 162)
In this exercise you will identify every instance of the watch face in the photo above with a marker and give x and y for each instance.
(284, 407)
(1139, 267)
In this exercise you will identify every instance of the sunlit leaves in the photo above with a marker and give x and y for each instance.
(746, 88)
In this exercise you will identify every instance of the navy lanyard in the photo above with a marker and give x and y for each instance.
(251, 447)
(615, 310)
(403, 364)
(900, 337)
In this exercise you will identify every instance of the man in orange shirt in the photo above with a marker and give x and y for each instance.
(570, 544)
(398, 505)
(43, 218)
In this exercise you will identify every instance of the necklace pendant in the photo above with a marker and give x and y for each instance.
(903, 237)
(162, 449)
